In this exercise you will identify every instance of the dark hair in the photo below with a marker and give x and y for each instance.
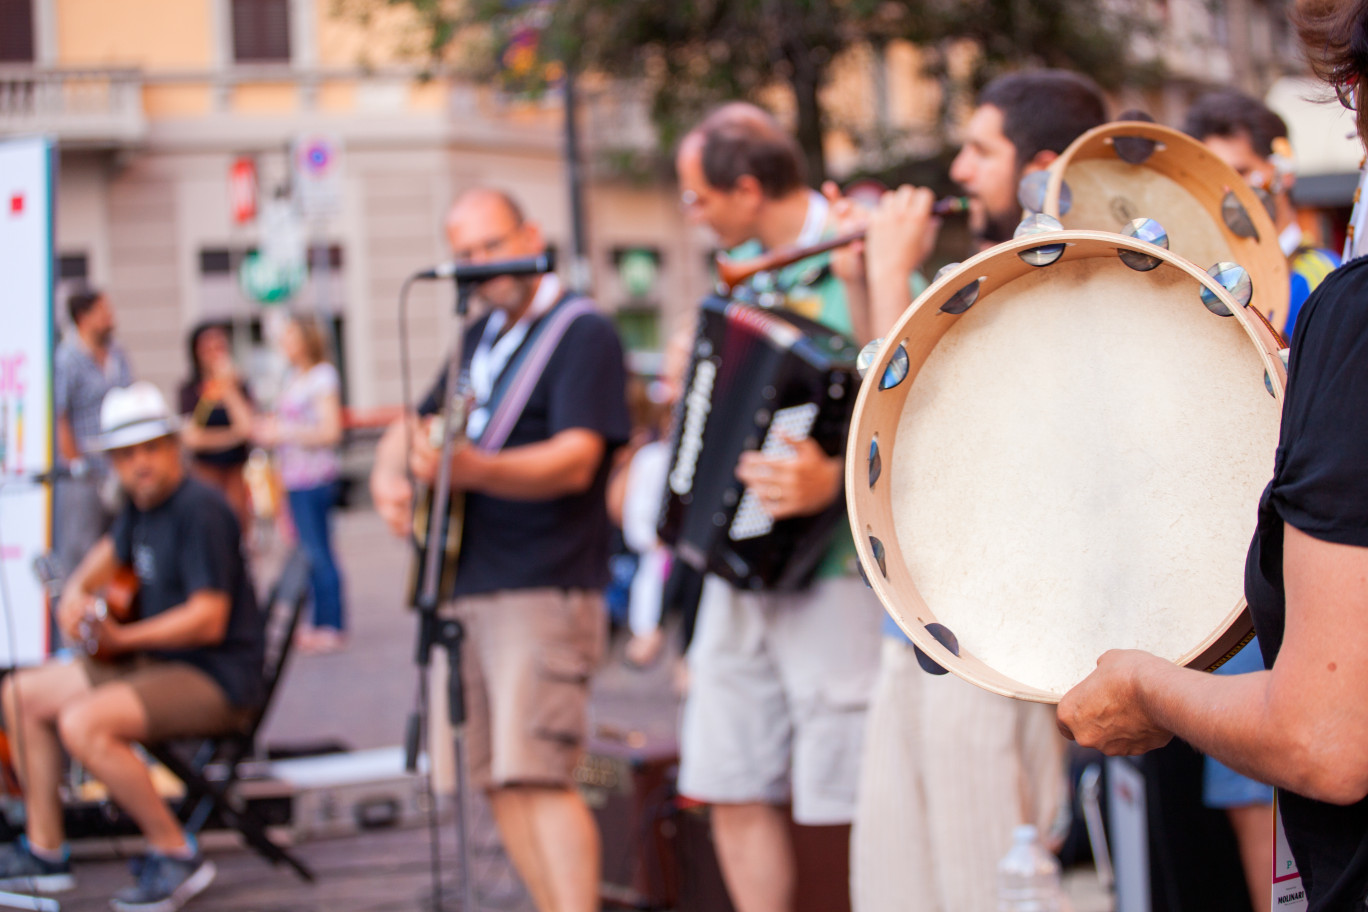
(1335, 38)
(1228, 114)
(192, 346)
(80, 302)
(741, 139)
(1044, 109)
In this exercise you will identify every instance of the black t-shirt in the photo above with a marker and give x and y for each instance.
(188, 543)
(560, 543)
(191, 394)
(1319, 486)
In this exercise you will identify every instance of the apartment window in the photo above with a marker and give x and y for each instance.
(16, 31)
(261, 31)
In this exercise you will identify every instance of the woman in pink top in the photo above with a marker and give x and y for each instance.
(305, 432)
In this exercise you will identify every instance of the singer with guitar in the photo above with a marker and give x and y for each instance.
(547, 409)
(188, 665)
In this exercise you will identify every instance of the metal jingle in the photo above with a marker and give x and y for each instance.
(1149, 231)
(945, 637)
(865, 359)
(941, 634)
(928, 664)
(963, 299)
(1236, 217)
(944, 271)
(1134, 150)
(896, 371)
(1034, 187)
(1235, 280)
(879, 555)
(875, 461)
(1039, 223)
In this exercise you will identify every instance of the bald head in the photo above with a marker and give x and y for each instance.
(482, 201)
(484, 225)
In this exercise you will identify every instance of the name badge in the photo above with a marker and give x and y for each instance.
(1288, 892)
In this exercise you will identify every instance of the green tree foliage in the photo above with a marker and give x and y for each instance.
(692, 54)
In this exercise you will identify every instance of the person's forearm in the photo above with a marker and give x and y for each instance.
(888, 298)
(200, 621)
(391, 453)
(95, 570)
(1243, 721)
(538, 471)
(858, 302)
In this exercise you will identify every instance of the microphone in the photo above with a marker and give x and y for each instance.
(479, 272)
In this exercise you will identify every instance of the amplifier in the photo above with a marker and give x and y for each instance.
(628, 783)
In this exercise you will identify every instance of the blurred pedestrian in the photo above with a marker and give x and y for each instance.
(1250, 137)
(88, 364)
(305, 432)
(218, 417)
(950, 769)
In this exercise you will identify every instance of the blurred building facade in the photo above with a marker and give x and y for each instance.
(154, 103)
(164, 109)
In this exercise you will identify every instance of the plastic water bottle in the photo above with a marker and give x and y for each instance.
(1028, 875)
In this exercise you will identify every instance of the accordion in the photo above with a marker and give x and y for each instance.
(753, 372)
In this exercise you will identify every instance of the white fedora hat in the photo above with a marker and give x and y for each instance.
(131, 415)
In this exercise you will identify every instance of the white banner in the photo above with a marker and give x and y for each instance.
(26, 263)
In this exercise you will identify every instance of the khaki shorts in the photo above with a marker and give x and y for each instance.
(778, 688)
(180, 700)
(528, 658)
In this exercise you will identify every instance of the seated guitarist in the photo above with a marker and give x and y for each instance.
(189, 665)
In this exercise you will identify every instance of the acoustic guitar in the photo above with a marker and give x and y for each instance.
(428, 528)
(118, 600)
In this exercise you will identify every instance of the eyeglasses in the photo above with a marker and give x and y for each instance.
(486, 247)
(1347, 93)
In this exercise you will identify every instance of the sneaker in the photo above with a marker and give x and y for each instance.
(22, 871)
(165, 884)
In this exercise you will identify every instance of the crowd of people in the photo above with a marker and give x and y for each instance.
(807, 706)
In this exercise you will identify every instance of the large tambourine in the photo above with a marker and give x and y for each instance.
(1121, 171)
(1058, 450)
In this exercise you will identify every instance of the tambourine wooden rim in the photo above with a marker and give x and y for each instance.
(1206, 178)
(879, 406)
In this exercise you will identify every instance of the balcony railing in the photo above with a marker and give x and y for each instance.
(95, 108)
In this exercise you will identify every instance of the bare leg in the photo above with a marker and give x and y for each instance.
(33, 699)
(755, 850)
(551, 837)
(98, 729)
(1253, 826)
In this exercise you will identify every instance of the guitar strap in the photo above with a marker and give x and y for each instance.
(520, 377)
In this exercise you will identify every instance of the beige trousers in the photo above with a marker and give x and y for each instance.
(949, 769)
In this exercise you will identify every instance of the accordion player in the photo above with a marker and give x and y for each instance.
(757, 378)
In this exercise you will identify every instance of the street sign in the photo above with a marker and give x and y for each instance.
(277, 271)
(242, 190)
(317, 161)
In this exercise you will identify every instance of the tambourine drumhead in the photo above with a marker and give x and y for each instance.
(1070, 466)
(1183, 186)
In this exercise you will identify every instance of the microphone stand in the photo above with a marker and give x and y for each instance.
(447, 632)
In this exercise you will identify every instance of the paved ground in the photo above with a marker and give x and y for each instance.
(360, 698)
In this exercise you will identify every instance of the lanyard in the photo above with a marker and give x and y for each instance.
(494, 351)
